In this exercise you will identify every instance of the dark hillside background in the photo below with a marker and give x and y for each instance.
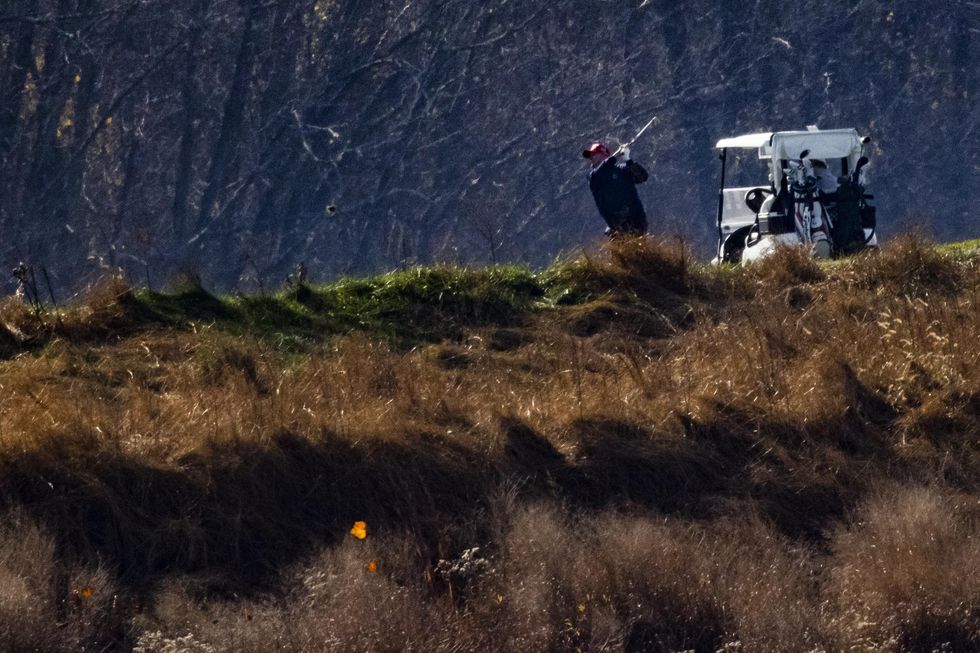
(238, 138)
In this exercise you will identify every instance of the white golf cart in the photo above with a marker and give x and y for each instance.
(795, 206)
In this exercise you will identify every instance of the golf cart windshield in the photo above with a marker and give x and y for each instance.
(826, 145)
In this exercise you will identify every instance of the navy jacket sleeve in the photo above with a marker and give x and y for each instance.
(639, 173)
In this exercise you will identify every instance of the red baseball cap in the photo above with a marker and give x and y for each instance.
(595, 148)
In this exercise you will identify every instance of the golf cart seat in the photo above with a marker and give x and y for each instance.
(755, 197)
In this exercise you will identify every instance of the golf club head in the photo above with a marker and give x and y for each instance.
(856, 177)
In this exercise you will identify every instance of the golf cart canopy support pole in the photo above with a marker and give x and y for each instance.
(721, 198)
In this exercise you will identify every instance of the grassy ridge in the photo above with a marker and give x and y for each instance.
(647, 454)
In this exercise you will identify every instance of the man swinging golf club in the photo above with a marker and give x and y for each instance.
(613, 185)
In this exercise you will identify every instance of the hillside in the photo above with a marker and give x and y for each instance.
(239, 138)
(627, 451)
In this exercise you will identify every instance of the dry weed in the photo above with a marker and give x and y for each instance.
(788, 266)
(904, 572)
(46, 605)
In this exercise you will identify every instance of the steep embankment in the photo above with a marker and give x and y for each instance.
(649, 454)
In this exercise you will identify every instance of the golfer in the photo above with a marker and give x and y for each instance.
(613, 185)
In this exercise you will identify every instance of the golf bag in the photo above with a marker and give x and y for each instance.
(847, 231)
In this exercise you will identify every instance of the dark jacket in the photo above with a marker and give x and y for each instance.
(613, 185)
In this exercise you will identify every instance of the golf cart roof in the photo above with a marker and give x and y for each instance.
(746, 141)
(823, 144)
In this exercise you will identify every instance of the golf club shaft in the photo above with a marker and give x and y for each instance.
(633, 140)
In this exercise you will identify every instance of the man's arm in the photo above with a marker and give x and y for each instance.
(640, 174)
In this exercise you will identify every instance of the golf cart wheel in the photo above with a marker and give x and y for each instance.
(735, 245)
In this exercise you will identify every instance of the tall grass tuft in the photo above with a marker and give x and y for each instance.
(788, 266)
(46, 605)
(909, 265)
(904, 571)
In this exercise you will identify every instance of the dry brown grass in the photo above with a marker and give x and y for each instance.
(898, 578)
(686, 459)
(905, 571)
(47, 605)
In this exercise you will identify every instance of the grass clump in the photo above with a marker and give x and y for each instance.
(432, 303)
(909, 265)
(47, 605)
(788, 266)
(904, 571)
(638, 266)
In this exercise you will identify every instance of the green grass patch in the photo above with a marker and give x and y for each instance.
(424, 304)
(967, 249)
(191, 305)
(431, 303)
